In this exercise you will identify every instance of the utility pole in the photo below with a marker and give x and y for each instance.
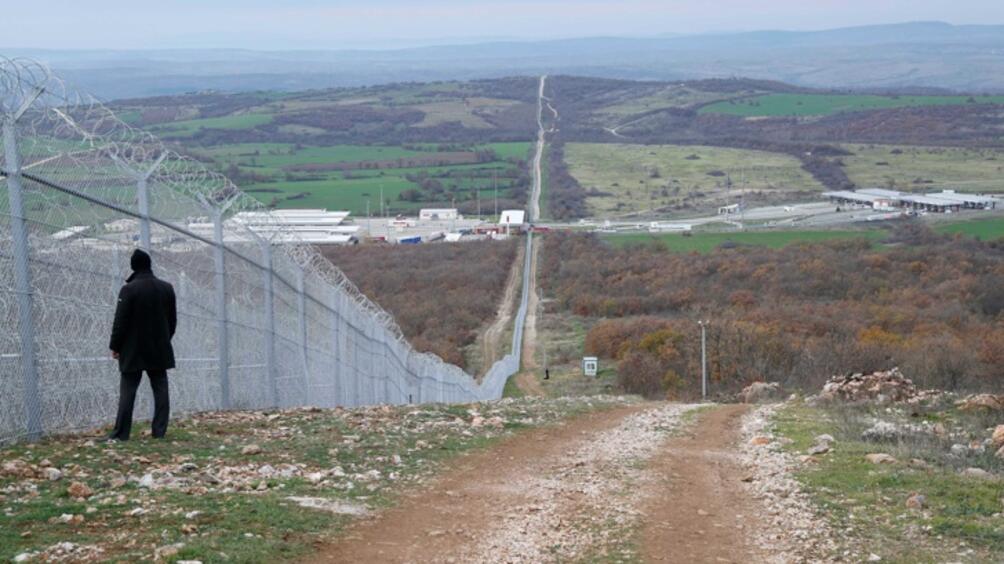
(704, 359)
(495, 183)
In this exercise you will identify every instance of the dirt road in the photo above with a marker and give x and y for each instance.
(582, 490)
(701, 513)
(493, 344)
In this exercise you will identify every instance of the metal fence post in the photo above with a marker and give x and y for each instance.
(117, 278)
(221, 311)
(143, 202)
(301, 308)
(22, 282)
(383, 369)
(356, 382)
(270, 374)
(336, 346)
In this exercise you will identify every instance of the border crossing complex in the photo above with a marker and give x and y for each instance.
(946, 201)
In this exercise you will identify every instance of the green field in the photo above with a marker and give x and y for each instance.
(671, 96)
(826, 104)
(907, 168)
(356, 189)
(983, 229)
(707, 242)
(645, 177)
(191, 127)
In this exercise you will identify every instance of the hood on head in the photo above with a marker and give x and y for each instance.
(140, 261)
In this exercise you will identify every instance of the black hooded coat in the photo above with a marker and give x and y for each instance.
(145, 320)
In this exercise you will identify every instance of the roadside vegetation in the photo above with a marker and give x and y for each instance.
(923, 502)
(705, 242)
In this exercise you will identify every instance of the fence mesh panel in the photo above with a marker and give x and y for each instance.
(262, 322)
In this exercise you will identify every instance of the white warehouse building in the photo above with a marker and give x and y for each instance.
(939, 202)
(438, 214)
(313, 226)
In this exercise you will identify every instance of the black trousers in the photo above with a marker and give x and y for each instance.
(127, 399)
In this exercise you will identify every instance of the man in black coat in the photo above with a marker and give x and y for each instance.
(145, 320)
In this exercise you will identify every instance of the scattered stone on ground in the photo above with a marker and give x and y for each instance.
(79, 490)
(881, 387)
(880, 458)
(977, 473)
(792, 530)
(883, 432)
(330, 505)
(63, 552)
(760, 392)
(997, 437)
(821, 445)
(982, 402)
(407, 438)
(916, 501)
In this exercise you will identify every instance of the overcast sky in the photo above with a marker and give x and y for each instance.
(325, 24)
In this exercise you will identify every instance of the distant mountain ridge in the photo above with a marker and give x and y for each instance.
(966, 58)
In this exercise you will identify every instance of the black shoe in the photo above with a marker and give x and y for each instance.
(111, 439)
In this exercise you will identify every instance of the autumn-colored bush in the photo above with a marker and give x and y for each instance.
(931, 304)
(609, 338)
(440, 294)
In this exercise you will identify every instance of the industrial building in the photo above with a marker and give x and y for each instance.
(438, 214)
(946, 201)
(512, 218)
(313, 226)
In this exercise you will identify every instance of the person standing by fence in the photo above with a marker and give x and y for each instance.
(145, 320)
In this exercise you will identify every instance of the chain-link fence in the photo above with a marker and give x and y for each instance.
(263, 321)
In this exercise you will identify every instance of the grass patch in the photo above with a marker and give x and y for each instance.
(826, 104)
(708, 242)
(634, 178)
(867, 502)
(982, 229)
(925, 169)
(670, 96)
(191, 127)
(511, 389)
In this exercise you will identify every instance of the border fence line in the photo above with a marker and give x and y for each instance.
(265, 321)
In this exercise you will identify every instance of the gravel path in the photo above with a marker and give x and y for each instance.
(791, 529)
(584, 499)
